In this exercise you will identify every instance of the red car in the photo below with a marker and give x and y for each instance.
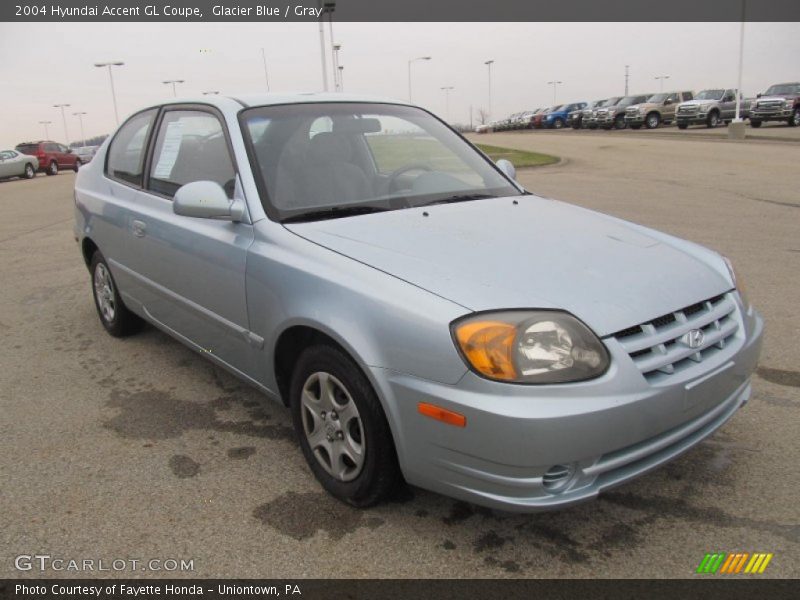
(52, 156)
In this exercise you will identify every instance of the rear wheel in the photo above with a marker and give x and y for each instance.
(77, 166)
(653, 120)
(343, 431)
(755, 124)
(712, 120)
(52, 168)
(114, 315)
(30, 172)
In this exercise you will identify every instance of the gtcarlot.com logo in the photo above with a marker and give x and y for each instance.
(46, 562)
(734, 563)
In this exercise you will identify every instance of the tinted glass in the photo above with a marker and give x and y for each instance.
(127, 149)
(191, 146)
(31, 149)
(325, 155)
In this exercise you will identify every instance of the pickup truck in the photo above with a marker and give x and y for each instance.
(557, 118)
(612, 113)
(658, 109)
(575, 118)
(781, 102)
(709, 108)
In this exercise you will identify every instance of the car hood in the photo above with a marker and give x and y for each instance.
(699, 102)
(535, 253)
(778, 97)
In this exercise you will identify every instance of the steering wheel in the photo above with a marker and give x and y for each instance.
(401, 171)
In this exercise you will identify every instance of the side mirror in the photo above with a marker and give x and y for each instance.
(759, 94)
(667, 102)
(506, 167)
(69, 150)
(206, 200)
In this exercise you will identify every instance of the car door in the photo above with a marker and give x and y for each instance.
(191, 271)
(6, 164)
(727, 107)
(67, 157)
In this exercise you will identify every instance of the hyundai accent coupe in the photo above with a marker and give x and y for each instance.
(422, 315)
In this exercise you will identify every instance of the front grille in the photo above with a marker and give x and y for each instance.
(631, 112)
(687, 110)
(770, 104)
(658, 348)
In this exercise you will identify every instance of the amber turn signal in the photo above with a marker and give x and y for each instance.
(442, 414)
(489, 347)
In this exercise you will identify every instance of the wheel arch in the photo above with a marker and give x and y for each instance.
(88, 248)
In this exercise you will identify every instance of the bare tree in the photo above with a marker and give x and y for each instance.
(483, 116)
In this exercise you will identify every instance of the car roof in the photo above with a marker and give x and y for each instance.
(248, 100)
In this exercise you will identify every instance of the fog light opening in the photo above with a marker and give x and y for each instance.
(558, 477)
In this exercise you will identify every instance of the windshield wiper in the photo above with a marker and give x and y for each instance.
(335, 212)
(458, 198)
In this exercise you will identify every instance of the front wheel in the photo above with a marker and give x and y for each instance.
(794, 120)
(619, 122)
(712, 120)
(114, 315)
(755, 124)
(653, 120)
(558, 123)
(30, 172)
(682, 125)
(636, 125)
(343, 430)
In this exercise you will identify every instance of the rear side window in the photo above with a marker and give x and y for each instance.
(126, 152)
(191, 146)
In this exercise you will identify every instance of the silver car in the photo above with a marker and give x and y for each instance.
(422, 315)
(16, 164)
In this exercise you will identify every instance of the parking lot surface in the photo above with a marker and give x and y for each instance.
(141, 449)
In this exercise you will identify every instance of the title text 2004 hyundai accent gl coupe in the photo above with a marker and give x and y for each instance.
(421, 314)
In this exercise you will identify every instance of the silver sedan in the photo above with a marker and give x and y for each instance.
(422, 316)
(15, 164)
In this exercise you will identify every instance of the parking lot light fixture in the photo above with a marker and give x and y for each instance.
(413, 60)
(341, 78)
(174, 82)
(46, 132)
(116, 63)
(64, 119)
(446, 90)
(555, 85)
(210, 93)
(661, 79)
(80, 120)
(489, 64)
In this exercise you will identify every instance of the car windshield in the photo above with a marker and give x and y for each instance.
(610, 102)
(656, 98)
(628, 100)
(325, 160)
(783, 88)
(710, 95)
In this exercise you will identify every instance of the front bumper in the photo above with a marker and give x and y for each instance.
(596, 434)
(634, 119)
(781, 114)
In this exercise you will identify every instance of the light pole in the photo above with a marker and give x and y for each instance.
(738, 117)
(80, 120)
(46, 132)
(555, 85)
(489, 64)
(661, 79)
(64, 119)
(173, 82)
(210, 93)
(264, 58)
(626, 79)
(341, 77)
(446, 90)
(111, 79)
(337, 84)
(322, 47)
(413, 60)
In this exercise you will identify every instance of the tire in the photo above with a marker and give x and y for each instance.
(114, 315)
(636, 126)
(374, 473)
(30, 172)
(576, 124)
(794, 120)
(712, 120)
(619, 122)
(755, 124)
(652, 120)
(77, 166)
(52, 168)
(558, 124)
(682, 125)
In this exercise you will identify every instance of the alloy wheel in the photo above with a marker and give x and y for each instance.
(104, 292)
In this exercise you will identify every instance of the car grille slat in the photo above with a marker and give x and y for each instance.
(657, 347)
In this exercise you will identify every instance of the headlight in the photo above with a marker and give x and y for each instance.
(537, 346)
(737, 281)
(788, 104)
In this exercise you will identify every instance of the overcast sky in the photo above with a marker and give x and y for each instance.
(48, 63)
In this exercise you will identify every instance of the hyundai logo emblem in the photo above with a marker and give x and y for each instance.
(694, 338)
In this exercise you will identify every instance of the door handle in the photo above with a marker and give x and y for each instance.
(139, 228)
